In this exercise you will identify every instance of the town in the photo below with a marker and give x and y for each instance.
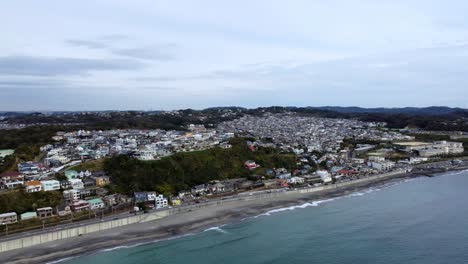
(326, 150)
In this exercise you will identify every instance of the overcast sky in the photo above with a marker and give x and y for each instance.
(97, 54)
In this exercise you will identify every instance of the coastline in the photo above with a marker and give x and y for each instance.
(185, 223)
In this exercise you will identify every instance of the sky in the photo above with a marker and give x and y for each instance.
(163, 55)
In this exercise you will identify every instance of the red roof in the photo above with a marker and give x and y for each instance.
(13, 174)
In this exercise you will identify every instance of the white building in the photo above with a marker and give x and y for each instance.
(296, 180)
(151, 196)
(325, 176)
(8, 218)
(161, 202)
(382, 165)
(76, 183)
(72, 195)
(50, 185)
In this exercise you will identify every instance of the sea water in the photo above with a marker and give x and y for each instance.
(423, 221)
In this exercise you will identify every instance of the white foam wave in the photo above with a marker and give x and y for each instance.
(122, 247)
(60, 260)
(217, 229)
(294, 207)
(146, 243)
(317, 203)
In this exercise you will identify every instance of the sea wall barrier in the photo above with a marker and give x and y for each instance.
(27, 241)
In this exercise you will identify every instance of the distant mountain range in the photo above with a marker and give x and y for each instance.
(431, 110)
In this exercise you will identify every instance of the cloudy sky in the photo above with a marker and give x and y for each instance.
(98, 54)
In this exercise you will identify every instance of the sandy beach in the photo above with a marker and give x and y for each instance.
(185, 223)
(175, 225)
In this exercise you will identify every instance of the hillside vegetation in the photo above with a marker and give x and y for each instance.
(184, 170)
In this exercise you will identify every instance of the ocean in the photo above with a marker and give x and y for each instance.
(418, 221)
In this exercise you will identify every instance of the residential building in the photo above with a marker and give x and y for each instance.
(102, 181)
(50, 185)
(96, 203)
(44, 212)
(161, 202)
(8, 218)
(76, 183)
(382, 165)
(11, 180)
(79, 206)
(325, 176)
(31, 167)
(71, 195)
(28, 215)
(296, 180)
(140, 197)
(71, 174)
(33, 186)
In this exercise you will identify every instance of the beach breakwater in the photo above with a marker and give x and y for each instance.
(67, 233)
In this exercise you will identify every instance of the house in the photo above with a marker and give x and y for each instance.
(31, 167)
(161, 202)
(44, 212)
(33, 186)
(250, 164)
(140, 197)
(110, 200)
(216, 187)
(65, 184)
(102, 181)
(11, 180)
(96, 203)
(84, 174)
(50, 185)
(79, 206)
(176, 201)
(63, 210)
(88, 182)
(71, 195)
(312, 179)
(151, 196)
(71, 174)
(382, 165)
(8, 218)
(283, 176)
(296, 180)
(88, 192)
(76, 183)
(325, 176)
(28, 215)
(199, 189)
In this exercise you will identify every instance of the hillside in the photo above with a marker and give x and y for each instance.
(184, 170)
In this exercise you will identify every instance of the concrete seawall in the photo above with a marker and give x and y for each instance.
(23, 242)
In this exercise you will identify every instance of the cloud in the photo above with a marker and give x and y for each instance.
(87, 43)
(54, 66)
(33, 83)
(155, 52)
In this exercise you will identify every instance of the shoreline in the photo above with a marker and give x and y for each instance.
(187, 223)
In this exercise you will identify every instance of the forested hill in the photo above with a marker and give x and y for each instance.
(183, 170)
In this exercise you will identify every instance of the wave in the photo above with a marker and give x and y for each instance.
(217, 229)
(60, 260)
(146, 243)
(122, 247)
(317, 203)
(294, 207)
